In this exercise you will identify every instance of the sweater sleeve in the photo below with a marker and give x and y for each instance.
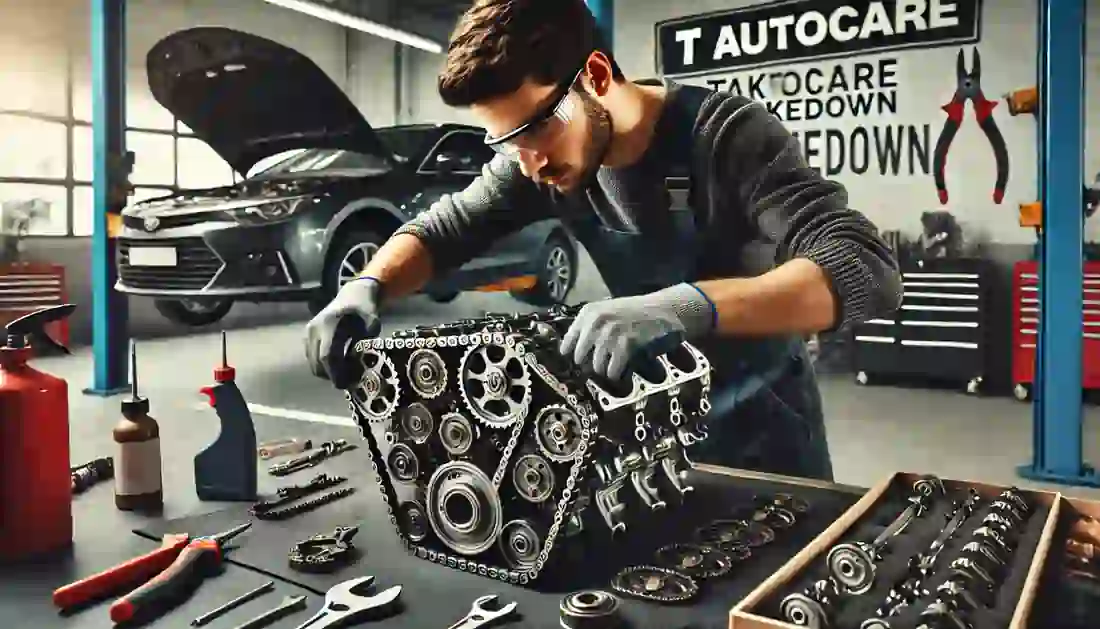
(763, 173)
(460, 226)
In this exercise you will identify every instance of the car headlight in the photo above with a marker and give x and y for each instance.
(269, 212)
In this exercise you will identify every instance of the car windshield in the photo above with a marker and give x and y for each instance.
(406, 143)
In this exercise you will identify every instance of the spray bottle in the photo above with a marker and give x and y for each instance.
(138, 485)
(35, 485)
(226, 469)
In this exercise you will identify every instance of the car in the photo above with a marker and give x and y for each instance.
(321, 190)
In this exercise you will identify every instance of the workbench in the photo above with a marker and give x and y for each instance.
(103, 538)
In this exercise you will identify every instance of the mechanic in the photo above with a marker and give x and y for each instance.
(768, 252)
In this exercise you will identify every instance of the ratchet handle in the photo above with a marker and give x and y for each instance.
(120, 577)
(173, 586)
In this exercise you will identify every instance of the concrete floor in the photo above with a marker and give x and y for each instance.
(873, 431)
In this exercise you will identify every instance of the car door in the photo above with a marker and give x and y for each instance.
(452, 165)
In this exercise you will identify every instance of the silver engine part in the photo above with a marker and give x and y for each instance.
(490, 446)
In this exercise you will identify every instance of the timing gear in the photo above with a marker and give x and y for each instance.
(403, 464)
(700, 562)
(722, 534)
(495, 384)
(590, 609)
(417, 422)
(456, 434)
(558, 432)
(653, 583)
(514, 416)
(464, 508)
(324, 553)
(520, 544)
(378, 392)
(427, 373)
(533, 478)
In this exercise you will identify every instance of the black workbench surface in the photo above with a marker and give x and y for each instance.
(433, 595)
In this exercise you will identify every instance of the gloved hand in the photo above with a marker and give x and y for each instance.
(607, 335)
(352, 315)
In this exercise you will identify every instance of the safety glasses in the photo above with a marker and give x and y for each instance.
(545, 126)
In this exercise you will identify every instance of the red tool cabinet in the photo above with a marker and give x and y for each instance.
(26, 287)
(1025, 326)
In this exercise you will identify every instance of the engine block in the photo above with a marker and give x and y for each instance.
(491, 449)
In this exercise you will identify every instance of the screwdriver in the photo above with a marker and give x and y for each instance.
(121, 577)
(201, 558)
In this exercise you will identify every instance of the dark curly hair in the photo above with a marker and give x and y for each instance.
(498, 44)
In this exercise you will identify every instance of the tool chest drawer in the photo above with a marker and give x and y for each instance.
(1025, 326)
(939, 330)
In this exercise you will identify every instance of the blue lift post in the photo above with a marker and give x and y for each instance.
(1057, 405)
(604, 12)
(110, 312)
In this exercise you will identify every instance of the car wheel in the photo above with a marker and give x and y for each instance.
(193, 312)
(557, 264)
(346, 260)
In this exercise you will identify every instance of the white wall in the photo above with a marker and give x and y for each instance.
(925, 81)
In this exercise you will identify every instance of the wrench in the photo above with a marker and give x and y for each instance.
(290, 605)
(478, 616)
(349, 603)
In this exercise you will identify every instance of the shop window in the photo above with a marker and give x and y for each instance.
(83, 153)
(183, 129)
(142, 110)
(84, 206)
(154, 158)
(32, 73)
(45, 205)
(200, 167)
(32, 148)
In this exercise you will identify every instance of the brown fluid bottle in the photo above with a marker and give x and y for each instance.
(137, 457)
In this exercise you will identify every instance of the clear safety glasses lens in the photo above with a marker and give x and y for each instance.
(543, 133)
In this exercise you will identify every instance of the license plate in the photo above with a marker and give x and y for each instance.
(153, 256)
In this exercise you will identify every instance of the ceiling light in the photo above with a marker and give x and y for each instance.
(362, 24)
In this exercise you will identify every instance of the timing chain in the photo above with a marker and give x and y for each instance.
(285, 513)
(589, 422)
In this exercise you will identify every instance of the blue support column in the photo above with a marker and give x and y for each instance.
(1057, 405)
(604, 12)
(110, 316)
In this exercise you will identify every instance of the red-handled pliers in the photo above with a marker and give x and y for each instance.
(969, 88)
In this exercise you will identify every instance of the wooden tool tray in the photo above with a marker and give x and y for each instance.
(869, 517)
(1068, 592)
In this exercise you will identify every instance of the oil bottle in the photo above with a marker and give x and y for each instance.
(137, 459)
(36, 514)
(226, 469)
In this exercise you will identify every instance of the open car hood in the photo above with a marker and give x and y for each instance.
(250, 98)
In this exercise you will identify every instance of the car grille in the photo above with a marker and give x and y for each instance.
(174, 220)
(196, 265)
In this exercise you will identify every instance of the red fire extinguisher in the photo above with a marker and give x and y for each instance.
(35, 479)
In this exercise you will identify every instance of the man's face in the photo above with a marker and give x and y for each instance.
(567, 132)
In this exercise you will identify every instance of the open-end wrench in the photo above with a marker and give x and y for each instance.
(290, 605)
(351, 602)
(479, 617)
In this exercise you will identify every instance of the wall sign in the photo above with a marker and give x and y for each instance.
(801, 30)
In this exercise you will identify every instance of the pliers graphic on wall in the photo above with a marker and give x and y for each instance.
(969, 88)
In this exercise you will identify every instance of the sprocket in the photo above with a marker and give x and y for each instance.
(427, 373)
(653, 583)
(379, 391)
(558, 432)
(496, 384)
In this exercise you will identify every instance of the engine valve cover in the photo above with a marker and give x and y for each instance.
(493, 451)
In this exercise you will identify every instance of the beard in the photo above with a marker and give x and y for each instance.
(595, 147)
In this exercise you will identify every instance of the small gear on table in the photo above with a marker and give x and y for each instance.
(653, 583)
(325, 552)
(725, 534)
(694, 560)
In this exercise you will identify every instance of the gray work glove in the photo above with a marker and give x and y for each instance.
(352, 315)
(608, 336)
